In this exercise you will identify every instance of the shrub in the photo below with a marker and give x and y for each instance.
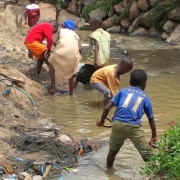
(158, 15)
(103, 4)
(165, 163)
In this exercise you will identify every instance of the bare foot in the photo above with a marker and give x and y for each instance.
(52, 90)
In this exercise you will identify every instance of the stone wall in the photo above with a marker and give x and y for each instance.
(134, 23)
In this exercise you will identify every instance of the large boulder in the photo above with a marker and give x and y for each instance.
(73, 7)
(175, 14)
(134, 12)
(143, 5)
(100, 13)
(174, 39)
(169, 26)
(139, 32)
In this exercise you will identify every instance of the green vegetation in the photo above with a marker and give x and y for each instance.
(165, 163)
(58, 7)
(103, 4)
(158, 15)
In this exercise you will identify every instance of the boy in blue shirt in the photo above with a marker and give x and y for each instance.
(131, 103)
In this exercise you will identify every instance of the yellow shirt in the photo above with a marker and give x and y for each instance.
(103, 39)
(106, 76)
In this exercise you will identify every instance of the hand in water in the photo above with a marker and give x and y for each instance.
(98, 123)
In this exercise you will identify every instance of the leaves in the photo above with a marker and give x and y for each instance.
(58, 4)
(165, 163)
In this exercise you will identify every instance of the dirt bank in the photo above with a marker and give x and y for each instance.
(27, 136)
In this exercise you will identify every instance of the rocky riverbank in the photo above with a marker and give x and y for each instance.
(156, 18)
(29, 139)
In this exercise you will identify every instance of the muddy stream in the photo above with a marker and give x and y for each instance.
(77, 114)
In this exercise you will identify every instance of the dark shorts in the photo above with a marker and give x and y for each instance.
(85, 73)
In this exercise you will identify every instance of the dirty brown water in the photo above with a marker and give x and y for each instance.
(77, 114)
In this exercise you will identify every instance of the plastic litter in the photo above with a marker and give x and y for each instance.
(61, 177)
(19, 159)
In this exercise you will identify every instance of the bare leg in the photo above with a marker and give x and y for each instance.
(39, 66)
(52, 76)
(30, 55)
(110, 159)
(75, 83)
(71, 85)
(52, 88)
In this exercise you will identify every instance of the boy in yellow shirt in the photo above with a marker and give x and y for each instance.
(107, 79)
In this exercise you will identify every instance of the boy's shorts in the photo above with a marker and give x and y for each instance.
(122, 131)
(36, 48)
(84, 74)
(103, 89)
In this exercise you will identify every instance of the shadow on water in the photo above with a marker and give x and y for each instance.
(78, 113)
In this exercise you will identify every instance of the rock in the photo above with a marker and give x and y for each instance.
(139, 32)
(119, 8)
(125, 23)
(143, 5)
(108, 23)
(114, 29)
(73, 7)
(175, 14)
(64, 14)
(174, 38)
(97, 13)
(164, 35)
(134, 11)
(169, 26)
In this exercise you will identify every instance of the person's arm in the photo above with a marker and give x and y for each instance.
(153, 130)
(80, 48)
(48, 32)
(104, 113)
(56, 37)
(96, 52)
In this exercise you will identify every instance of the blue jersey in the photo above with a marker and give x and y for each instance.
(131, 103)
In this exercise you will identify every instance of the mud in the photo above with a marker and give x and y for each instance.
(33, 140)
(29, 139)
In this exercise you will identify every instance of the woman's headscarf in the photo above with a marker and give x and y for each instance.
(69, 24)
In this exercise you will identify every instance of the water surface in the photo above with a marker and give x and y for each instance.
(78, 113)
